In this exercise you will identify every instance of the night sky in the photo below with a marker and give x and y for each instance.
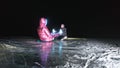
(82, 19)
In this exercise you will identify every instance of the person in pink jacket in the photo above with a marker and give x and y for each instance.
(43, 32)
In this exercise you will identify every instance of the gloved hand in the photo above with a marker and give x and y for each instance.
(60, 32)
(53, 31)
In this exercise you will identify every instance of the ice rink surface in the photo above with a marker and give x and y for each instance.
(71, 53)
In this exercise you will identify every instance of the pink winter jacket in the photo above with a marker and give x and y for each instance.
(43, 32)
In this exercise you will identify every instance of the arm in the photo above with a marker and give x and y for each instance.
(47, 32)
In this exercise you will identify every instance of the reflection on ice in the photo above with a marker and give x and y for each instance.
(44, 51)
(48, 51)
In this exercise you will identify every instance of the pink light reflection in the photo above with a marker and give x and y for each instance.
(44, 51)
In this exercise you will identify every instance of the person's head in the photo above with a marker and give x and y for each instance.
(43, 22)
(62, 25)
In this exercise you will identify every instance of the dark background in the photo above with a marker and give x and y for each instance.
(82, 19)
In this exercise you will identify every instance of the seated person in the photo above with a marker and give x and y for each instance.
(43, 32)
(62, 32)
